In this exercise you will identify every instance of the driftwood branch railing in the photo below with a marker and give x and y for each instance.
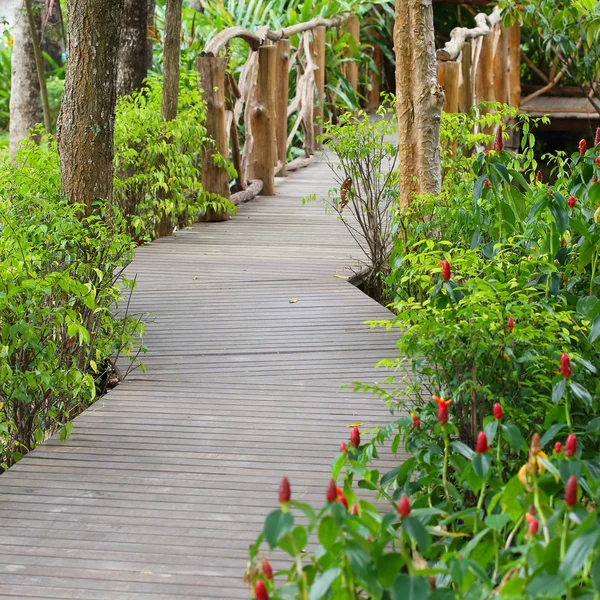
(261, 98)
(481, 64)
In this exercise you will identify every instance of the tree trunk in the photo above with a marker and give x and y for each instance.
(151, 29)
(419, 100)
(133, 62)
(86, 121)
(171, 51)
(25, 108)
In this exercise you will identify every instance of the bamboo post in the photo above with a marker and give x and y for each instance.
(501, 65)
(448, 72)
(465, 90)
(374, 94)
(319, 59)
(262, 115)
(212, 79)
(283, 92)
(352, 26)
(514, 66)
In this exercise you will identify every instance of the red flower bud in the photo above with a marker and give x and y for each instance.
(594, 179)
(582, 147)
(404, 507)
(482, 444)
(571, 491)
(565, 366)
(532, 524)
(597, 161)
(331, 494)
(343, 448)
(260, 591)
(510, 324)
(497, 410)
(267, 570)
(570, 445)
(354, 509)
(597, 138)
(572, 201)
(416, 421)
(341, 497)
(486, 183)
(442, 410)
(498, 143)
(445, 269)
(558, 447)
(539, 177)
(355, 437)
(285, 491)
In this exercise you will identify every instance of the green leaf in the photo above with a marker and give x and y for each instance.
(578, 552)
(463, 449)
(546, 586)
(549, 435)
(595, 330)
(513, 436)
(338, 465)
(328, 532)
(388, 567)
(417, 532)
(497, 522)
(277, 524)
(481, 464)
(558, 390)
(581, 393)
(323, 583)
(410, 587)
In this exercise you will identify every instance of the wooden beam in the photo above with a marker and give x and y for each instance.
(318, 50)
(451, 71)
(352, 26)
(501, 65)
(283, 93)
(514, 66)
(465, 90)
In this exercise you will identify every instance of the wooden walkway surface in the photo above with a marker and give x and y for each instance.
(167, 479)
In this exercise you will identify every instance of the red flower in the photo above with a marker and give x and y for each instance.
(598, 161)
(565, 366)
(267, 570)
(597, 138)
(498, 143)
(558, 447)
(416, 421)
(404, 507)
(442, 409)
(341, 497)
(572, 201)
(355, 437)
(343, 448)
(482, 444)
(354, 509)
(533, 524)
(570, 445)
(497, 410)
(582, 147)
(571, 492)
(331, 493)
(487, 183)
(539, 177)
(594, 179)
(260, 591)
(285, 491)
(510, 324)
(445, 269)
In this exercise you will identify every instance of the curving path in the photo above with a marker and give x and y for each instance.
(166, 480)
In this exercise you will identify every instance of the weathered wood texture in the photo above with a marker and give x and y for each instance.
(166, 480)
(319, 34)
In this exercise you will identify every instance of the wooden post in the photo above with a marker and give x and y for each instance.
(212, 80)
(484, 78)
(283, 93)
(501, 65)
(514, 66)
(262, 115)
(319, 59)
(374, 94)
(449, 71)
(465, 90)
(352, 26)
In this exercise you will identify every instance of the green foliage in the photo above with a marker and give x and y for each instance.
(5, 53)
(158, 163)
(61, 282)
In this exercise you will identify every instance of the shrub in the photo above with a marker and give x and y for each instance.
(61, 281)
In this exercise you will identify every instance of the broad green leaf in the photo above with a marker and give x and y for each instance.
(277, 524)
(410, 587)
(323, 583)
(578, 552)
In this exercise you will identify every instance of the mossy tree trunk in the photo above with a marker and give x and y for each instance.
(419, 100)
(133, 60)
(86, 121)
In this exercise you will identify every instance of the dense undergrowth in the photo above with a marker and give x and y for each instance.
(495, 285)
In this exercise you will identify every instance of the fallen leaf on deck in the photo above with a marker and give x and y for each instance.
(293, 300)
(342, 276)
(357, 424)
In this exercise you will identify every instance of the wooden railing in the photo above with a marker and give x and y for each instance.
(481, 64)
(260, 97)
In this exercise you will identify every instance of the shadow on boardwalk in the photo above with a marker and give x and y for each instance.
(167, 480)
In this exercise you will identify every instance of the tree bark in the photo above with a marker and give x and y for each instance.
(171, 52)
(151, 29)
(133, 62)
(419, 100)
(86, 121)
(25, 108)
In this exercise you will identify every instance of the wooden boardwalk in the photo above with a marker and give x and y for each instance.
(166, 480)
